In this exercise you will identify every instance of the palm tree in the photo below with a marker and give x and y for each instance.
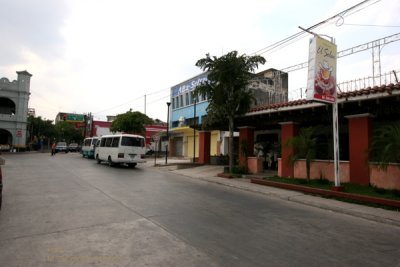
(304, 146)
(226, 89)
(385, 146)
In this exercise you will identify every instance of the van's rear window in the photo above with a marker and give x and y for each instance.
(132, 141)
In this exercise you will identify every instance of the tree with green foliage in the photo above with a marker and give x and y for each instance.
(39, 132)
(385, 146)
(39, 127)
(46, 131)
(227, 89)
(67, 132)
(131, 122)
(304, 146)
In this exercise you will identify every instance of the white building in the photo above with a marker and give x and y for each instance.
(14, 98)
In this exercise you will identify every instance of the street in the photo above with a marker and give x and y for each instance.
(69, 211)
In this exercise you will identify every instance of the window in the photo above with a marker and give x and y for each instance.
(177, 102)
(108, 141)
(115, 142)
(103, 142)
(173, 103)
(181, 100)
(94, 141)
(132, 141)
(87, 142)
(192, 97)
(187, 99)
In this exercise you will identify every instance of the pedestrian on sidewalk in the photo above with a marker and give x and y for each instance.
(53, 148)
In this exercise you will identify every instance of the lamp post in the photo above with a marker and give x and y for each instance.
(194, 131)
(166, 147)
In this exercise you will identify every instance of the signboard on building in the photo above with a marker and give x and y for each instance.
(18, 133)
(321, 83)
(188, 85)
(75, 117)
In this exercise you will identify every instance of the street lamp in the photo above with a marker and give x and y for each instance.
(194, 131)
(166, 147)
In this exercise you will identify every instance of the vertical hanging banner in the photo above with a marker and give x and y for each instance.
(321, 83)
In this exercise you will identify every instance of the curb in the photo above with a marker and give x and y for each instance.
(329, 193)
(302, 199)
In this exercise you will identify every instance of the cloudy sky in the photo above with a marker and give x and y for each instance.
(107, 56)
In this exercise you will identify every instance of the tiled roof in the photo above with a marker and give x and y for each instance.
(280, 105)
(371, 90)
(344, 95)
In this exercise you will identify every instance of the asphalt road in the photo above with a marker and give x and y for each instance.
(69, 211)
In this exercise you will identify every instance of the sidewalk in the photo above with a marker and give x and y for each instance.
(209, 173)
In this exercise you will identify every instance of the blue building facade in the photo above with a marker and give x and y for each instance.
(183, 103)
(184, 139)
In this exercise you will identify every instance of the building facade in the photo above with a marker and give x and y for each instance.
(14, 98)
(269, 87)
(187, 113)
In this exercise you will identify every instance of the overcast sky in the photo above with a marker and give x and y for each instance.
(104, 56)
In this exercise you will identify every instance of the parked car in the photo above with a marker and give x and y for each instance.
(74, 147)
(61, 147)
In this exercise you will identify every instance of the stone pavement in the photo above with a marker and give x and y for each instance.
(209, 173)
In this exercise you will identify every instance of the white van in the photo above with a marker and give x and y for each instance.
(121, 149)
(88, 147)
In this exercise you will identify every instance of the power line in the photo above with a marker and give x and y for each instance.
(159, 99)
(288, 40)
(35, 93)
(372, 25)
(117, 106)
(156, 92)
(278, 45)
(132, 100)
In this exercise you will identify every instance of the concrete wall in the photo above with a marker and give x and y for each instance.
(388, 179)
(319, 168)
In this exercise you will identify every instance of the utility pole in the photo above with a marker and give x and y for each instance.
(166, 147)
(194, 131)
(144, 104)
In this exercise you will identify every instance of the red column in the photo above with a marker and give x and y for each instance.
(288, 130)
(360, 134)
(204, 147)
(246, 134)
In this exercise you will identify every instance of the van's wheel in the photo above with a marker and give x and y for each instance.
(110, 163)
(97, 159)
(132, 165)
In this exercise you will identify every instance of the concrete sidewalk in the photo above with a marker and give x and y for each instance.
(209, 173)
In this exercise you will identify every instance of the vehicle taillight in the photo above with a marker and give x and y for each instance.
(120, 155)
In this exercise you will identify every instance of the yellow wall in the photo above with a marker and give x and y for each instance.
(189, 145)
(214, 143)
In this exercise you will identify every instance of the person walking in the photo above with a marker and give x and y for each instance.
(53, 148)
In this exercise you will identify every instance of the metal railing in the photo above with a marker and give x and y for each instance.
(354, 85)
(362, 83)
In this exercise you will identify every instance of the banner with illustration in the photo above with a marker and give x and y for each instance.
(321, 83)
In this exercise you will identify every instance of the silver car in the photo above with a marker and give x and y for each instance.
(62, 147)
